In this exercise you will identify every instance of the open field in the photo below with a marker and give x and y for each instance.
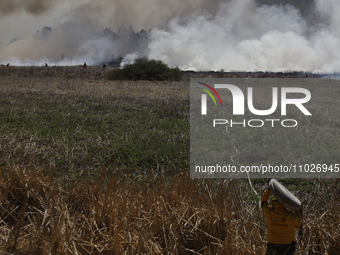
(78, 124)
(91, 166)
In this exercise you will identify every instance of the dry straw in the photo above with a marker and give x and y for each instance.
(118, 215)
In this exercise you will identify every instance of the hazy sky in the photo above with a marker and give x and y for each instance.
(19, 23)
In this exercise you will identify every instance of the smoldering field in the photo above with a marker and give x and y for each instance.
(119, 155)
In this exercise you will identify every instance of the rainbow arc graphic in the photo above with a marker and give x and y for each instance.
(204, 97)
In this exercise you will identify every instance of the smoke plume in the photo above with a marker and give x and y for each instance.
(252, 37)
(234, 35)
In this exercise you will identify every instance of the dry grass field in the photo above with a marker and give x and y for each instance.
(85, 81)
(90, 166)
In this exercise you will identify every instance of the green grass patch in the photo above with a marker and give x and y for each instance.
(84, 133)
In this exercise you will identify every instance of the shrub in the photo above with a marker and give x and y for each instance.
(220, 74)
(143, 69)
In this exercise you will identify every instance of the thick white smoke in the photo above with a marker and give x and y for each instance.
(234, 35)
(246, 37)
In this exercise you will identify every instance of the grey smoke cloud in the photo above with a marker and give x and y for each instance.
(302, 5)
(241, 35)
(80, 37)
(34, 7)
